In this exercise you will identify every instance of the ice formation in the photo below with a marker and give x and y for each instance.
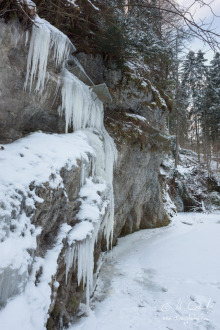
(96, 213)
(44, 39)
(82, 108)
(82, 255)
(83, 111)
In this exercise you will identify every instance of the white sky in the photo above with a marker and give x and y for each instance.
(203, 14)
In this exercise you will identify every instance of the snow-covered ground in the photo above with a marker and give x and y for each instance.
(165, 278)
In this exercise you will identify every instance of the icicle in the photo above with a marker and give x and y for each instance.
(106, 157)
(26, 37)
(83, 110)
(110, 152)
(95, 140)
(82, 175)
(78, 104)
(37, 56)
(69, 255)
(44, 37)
(82, 255)
(109, 223)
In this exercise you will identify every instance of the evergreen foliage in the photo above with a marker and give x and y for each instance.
(199, 105)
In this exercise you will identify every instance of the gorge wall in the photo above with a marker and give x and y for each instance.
(67, 214)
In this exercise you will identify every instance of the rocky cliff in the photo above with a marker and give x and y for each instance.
(61, 260)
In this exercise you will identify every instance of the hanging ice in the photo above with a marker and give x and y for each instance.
(96, 213)
(44, 39)
(83, 111)
(79, 104)
(95, 217)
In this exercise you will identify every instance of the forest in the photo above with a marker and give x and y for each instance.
(109, 155)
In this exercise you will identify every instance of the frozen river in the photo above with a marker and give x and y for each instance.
(165, 278)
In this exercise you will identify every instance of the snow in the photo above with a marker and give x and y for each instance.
(18, 258)
(192, 176)
(38, 155)
(29, 3)
(184, 170)
(72, 2)
(96, 8)
(30, 308)
(164, 278)
(168, 204)
(80, 232)
(36, 159)
(83, 111)
(136, 117)
(155, 90)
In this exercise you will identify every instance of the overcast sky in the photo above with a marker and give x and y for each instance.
(206, 15)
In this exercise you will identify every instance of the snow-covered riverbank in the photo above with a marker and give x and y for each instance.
(165, 278)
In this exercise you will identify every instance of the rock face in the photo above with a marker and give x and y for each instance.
(130, 90)
(137, 189)
(27, 112)
(22, 112)
(50, 215)
(141, 145)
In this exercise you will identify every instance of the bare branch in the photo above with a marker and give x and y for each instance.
(199, 30)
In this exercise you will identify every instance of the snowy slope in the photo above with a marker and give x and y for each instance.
(36, 159)
(190, 185)
(165, 278)
(31, 161)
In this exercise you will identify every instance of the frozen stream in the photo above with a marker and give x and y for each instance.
(165, 278)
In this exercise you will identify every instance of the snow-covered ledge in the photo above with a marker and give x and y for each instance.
(35, 167)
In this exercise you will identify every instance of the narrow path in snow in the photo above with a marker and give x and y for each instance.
(165, 278)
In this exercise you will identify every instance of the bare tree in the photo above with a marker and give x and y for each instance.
(199, 29)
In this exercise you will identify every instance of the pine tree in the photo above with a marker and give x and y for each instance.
(189, 74)
(211, 118)
(198, 98)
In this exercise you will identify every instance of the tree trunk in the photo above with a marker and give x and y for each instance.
(197, 138)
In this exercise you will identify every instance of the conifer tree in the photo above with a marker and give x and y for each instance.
(211, 118)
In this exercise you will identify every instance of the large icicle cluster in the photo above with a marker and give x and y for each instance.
(82, 255)
(82, 108)
(83, 111)
(96, 214)
(44, 38)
